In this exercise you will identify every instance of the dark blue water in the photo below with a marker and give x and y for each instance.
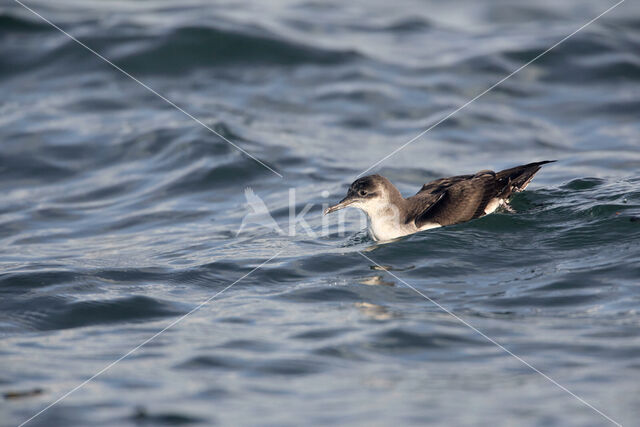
(119, 213)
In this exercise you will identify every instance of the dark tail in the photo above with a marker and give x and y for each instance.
(516, 179)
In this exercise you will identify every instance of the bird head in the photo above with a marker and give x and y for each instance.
(366, 193)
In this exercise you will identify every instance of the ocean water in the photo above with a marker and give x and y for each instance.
(119, 214)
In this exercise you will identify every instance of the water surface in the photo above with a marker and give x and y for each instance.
(119, 213)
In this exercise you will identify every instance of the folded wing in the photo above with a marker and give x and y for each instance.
(460, 201)
(461, 198)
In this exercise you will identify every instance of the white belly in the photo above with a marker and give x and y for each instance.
(389, 231)
(493, 205)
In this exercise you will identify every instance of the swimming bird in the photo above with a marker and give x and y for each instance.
(445, 201)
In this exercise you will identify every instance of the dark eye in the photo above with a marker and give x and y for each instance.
(362, 193)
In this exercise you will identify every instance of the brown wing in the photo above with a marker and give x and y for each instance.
(464, 197)
(459, 201)
(439, 185)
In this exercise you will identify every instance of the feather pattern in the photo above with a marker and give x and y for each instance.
(456, 199)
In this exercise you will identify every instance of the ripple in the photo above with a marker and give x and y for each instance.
(320, 295)
(29, 169)
(401, 340)
(55, 313)
(191, 47)
(209, 362)
(120, 213)
(290, 367)
(28, 280)
(583, 184)
(12, 23)
(319, 334)
(142, 415)
(206, 175)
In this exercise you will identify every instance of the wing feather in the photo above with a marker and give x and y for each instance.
(460, 201)
(456, 199)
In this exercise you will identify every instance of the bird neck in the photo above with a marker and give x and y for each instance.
(387, 220)
(394, 197)
(387, 216)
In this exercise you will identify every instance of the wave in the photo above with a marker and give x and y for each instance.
(12, 23)
(178, 50)
(193, 47)
(55, 312)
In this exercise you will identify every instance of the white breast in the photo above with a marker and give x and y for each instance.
(384, 231)
(386, 221)
(387, 230)
(429, 226)
(493, 205)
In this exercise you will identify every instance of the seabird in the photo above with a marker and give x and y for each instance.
(445, 201)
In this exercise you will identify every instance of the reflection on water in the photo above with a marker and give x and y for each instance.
(375, 281)
(390, 268)
(374, 311)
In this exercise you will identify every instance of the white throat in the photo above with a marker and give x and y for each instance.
(386, 221)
